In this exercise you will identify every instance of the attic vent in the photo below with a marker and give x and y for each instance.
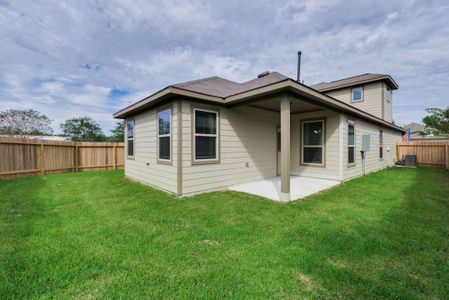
(263, 74)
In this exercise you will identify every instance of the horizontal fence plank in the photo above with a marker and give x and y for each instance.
(19, 172)
(98, 166)
(21, 157)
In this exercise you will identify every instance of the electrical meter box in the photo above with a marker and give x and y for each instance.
(366, 143)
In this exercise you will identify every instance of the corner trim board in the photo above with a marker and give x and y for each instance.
(179, 160)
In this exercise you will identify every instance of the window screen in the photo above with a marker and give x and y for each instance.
(312, 142)
(206, 142)
(164, 134)
(357, 94)
(351, 142)
(130, 138)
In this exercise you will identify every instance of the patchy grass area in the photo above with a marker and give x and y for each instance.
(91, 235)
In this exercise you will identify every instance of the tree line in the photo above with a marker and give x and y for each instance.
(29, 122)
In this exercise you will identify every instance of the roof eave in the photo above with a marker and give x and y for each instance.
(169, 91)
(342, 106)
(390, 81)
(294, 86)
(284, 85)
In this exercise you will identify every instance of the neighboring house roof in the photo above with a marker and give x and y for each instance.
(415, 127)
(415, 130)
(355, 80)
(221, 91)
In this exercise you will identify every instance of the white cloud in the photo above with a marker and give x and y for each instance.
(65, 58)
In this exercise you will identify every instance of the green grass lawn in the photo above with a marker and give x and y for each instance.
(98, 235)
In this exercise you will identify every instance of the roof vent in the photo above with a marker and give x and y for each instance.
(263, 74)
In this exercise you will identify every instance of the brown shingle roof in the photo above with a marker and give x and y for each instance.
(219, 90)
(220, 87)
(351, 81)
(415, 127)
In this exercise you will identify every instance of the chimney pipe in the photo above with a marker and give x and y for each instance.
(298, 77)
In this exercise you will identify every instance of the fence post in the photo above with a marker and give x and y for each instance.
(397, 153)
(76, 159)
(447, 155)
(114, 157)
(42, 166)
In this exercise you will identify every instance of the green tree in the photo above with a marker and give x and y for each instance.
(24, 123)
(437, 123)
(83, 129)
(118, 132)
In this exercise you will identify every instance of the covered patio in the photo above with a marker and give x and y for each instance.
(300, 187)
(286, 186)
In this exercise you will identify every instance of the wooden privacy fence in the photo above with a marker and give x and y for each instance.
(427, 154)
(29, 157)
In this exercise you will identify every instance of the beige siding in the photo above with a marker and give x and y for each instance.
(388, 104)
(330, 170)
(247, 149)
(343, 95)
(247, 136)
(372, 98)
(161, 176)
(372, 162)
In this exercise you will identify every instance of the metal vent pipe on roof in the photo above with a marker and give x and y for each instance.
(298, 77)
(263, 74)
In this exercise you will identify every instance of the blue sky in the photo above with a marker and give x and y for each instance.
(91, 58)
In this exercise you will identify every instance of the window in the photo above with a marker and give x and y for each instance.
(388, 94)
(357, 94)
(205, 135)
(351, 142)
(130, 138)
(312, 142)
(381, 144)
(164, 135)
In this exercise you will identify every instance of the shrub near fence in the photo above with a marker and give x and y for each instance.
(30, 157)
(428, 154)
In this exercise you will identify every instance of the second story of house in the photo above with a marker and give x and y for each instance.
(369, 92)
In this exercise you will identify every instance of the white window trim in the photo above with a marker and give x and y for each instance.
(132, 139)
(210, 160)
(323, 127)
(351, 122)
(352, 94)
(163, 160)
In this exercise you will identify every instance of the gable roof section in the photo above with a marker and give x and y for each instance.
(355, 80)
(220, 87)
(214, 86)
(213, 89)
(221, 91)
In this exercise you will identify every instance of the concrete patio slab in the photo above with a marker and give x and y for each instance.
(300, 187)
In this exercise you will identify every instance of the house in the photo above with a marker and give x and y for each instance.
(415, 130)
(212, 133)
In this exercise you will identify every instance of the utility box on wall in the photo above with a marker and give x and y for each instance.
(366, 143)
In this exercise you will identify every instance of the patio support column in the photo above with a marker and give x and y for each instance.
(285, 149)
